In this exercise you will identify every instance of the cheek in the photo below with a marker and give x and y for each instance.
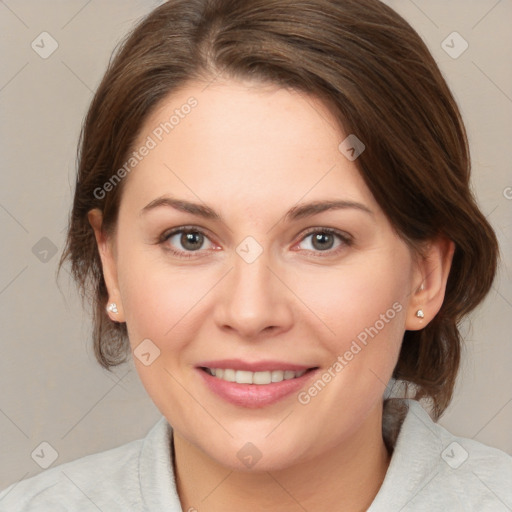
(161, 301)
(363, 313)
(160, 304)
(358, 301)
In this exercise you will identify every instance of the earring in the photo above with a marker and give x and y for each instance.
(420, 313)
(112, 308)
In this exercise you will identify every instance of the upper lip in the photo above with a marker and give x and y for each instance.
(255, 366)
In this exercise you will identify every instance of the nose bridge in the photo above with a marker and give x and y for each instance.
(254, 299)
(252, 277)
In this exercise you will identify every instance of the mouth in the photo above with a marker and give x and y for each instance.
(261, 378)
(254, 385)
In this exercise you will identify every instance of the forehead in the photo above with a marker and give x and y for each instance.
(243, 140)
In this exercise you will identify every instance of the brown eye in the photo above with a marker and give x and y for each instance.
(191, 241)
(326, 240)
(322, 241)
(184, 242)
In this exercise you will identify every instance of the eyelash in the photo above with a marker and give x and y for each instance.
(345, 238)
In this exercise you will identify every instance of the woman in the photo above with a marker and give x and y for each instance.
(273, 214)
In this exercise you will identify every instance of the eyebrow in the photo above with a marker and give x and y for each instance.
(295, 213)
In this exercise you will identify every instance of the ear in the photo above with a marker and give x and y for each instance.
(429, 283)
(107, 254)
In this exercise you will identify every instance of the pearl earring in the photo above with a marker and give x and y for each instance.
(420, 313)
(112, 308)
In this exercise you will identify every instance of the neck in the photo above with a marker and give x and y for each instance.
(347, 477)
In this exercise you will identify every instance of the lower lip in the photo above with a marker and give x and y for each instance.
(254, 396)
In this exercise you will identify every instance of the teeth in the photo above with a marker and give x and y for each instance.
(259, 378)
(243, 377)
(229, 375)
(277, 375)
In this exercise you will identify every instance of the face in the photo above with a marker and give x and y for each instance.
(228, 260)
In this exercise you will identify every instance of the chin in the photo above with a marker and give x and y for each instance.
(258, 455)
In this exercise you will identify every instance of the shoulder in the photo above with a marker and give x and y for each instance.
(107, 480)
(75, 484)
(476, 473)
(431, 469)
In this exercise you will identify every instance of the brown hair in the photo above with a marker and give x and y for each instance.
(380, 82)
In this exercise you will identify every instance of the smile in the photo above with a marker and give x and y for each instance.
(254, 385)
(258, 378)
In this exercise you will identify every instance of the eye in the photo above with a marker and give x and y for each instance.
(323, 240)
(185, 241)
(190, 241)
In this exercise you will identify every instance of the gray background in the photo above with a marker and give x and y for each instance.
(52, 389)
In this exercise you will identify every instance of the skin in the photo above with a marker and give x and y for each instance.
(252, 152)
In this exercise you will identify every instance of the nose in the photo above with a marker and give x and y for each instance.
(254, 300)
